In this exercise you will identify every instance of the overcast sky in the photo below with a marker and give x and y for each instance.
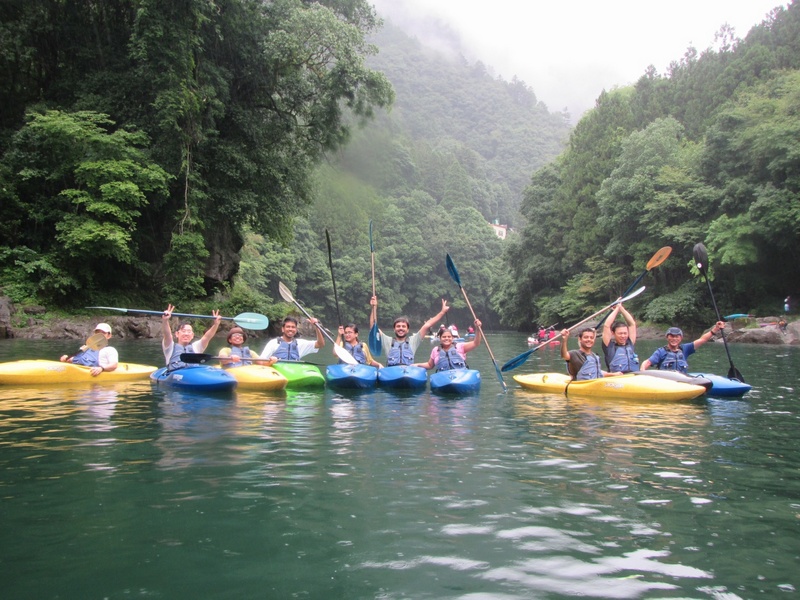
(568, 52)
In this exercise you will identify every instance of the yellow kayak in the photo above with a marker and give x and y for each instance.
(626, 387)
(37, 372)
(257, 377)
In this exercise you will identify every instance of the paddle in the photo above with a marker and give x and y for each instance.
(374, 337)
(333, 280)
(340, 352)
(738, 316)
(198, 358)
(655, 260)
(518, 360)
(451, 268)
(247, 320)
(98, 341)
(701, 260)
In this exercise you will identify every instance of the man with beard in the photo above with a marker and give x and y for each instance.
(582, 363)
(288, 347)
(401, 348)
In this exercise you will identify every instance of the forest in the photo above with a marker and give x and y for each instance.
(199, 152)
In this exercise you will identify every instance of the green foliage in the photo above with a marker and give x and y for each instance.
(183, 267)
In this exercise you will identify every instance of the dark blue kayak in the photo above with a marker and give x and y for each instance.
(403, 377)
(197, 378)
(359, 377)
(722, 387)
(456, 381)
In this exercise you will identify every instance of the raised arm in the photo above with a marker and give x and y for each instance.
(709, 335)
(320, 343)
(608, 335)
(564, 344)
(166, 330)
(476, 341)
(434, 319)
(631, 323)
(212, 331)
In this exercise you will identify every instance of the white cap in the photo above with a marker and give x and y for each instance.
(104, 327)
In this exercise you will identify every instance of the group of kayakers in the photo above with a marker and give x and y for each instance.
(618, 344)
(619, 339)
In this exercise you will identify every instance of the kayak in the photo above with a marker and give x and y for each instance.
(300, 374)
(257, 377)
(724, 387)
(456, 381)
(677, 376)
(27, 372)
(359, 377)
(403, 377)
(198, 378)
(623, 387)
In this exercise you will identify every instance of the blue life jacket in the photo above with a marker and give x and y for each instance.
(621, 358)
(87, 358)
(243, 353)
(357, 350)
(175, 361)
(450, 359)
(399, 354)
(287, 350)
(590, 369)
(673, 361)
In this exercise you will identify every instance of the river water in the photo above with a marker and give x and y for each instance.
(125, 490)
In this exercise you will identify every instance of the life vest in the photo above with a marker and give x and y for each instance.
(621, 358)
(449, 359)
(287, 350)
(399, 354)
(87, 358)
(590, 368)
(175, 361)
(673, 361)
(357, 350)
(243, 353)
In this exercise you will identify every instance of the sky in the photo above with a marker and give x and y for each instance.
(569, 52)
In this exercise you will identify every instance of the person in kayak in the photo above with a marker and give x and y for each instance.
(449, 355)
(618, 341)
(240, 355)
(348, 339)
(288, 347)
(672, 357)
(400, 350)
(583, 363)
(184, 334)
(105, 359)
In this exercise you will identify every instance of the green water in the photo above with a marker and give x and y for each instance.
(123, 491)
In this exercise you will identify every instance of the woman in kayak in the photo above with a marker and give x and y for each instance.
(348, 339)
(447, 355)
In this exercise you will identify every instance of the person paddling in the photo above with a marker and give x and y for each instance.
(583, 363)
(449, 355)
(618, 341)
(348, 339)
(672, 357)
(105, 359)
(401, 348)
(173, 348)
(238, 354)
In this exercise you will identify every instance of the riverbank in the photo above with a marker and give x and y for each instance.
(34, 322)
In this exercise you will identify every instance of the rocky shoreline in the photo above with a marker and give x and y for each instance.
(30, 322)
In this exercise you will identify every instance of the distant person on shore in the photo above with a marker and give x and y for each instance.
(619, 339)
(449, 355)
(184, 334)
(288, 347)
(105, 359)
(583, 363)
(672, 357)
(400, 350)
(348, 339)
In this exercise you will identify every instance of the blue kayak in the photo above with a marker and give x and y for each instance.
(403, 377)
(198, 378)
(722, 387)
(360, 377)
(456, 381)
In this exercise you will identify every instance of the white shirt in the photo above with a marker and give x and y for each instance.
(304, 347)
(107, 357)
(196, 346)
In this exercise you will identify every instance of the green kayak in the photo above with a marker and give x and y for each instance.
(300, 374)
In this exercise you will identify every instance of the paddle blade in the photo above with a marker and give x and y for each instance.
(98, 341)
(733, 373)
(451, 268)
(659, 257)
(196, 358)
(374, 341)
(700, 257)
(518, 360)
(285, 293)
(344, 355)
(252, 321)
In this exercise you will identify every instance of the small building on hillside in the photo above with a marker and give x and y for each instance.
(500, 230)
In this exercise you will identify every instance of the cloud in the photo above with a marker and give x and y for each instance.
(569, 52)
